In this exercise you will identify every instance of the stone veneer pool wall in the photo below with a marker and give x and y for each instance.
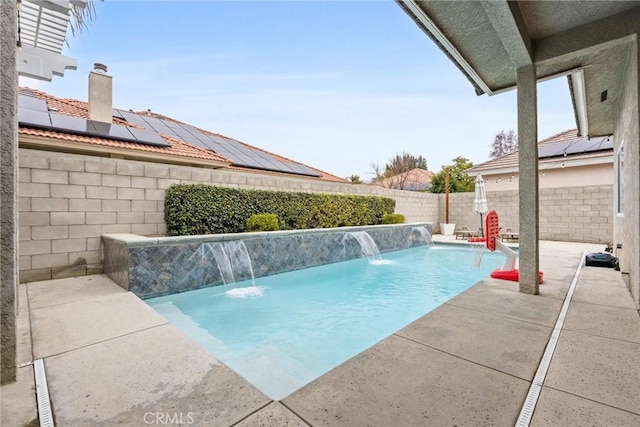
(151, 267)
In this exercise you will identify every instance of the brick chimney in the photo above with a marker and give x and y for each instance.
(100, 94)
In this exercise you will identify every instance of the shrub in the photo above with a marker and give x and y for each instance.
(205, 209)
(391, 218)
(263, 222)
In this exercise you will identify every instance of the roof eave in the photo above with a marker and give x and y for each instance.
(53, 144)
(412, 9)
(577, 89)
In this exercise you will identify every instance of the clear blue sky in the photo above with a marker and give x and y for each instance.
(333, 84)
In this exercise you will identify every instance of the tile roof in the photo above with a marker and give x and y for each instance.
(178, 148)
(415, 179)
(75, 108)
(510, 161)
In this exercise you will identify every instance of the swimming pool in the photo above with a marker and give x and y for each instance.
(307, 322)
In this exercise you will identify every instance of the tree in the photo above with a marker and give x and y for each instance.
(81, 15)
(459, 181)
(504, 143)
(403, 163)
(354, 179)
(393, 174)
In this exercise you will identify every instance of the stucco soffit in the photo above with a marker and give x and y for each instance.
(589, 38)
(508, 23)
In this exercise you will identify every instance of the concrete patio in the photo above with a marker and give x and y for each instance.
(110, 359)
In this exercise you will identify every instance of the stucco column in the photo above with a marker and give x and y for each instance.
(529, 214)
(8, 188)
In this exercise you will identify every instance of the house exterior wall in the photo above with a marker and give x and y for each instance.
(627, 224)
(68, 201)
(8, 191)
(578, 176)
(570, 214)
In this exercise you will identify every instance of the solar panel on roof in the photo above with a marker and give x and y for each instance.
(195, 141)
(297, 168)
(168, 131)
(238, 153)
(158, 125)
(153, 123)
(34, 118)
(148, 137)
(117, 113)
(233, 158)
(243, 158)
(548, 150)
(179, 130)
(112, 131)
(588, 146)
(194, 130)
(291, 169)
(183, 133)
(217, 139)
(274, 163)
(310, 171)
(165, 130)
(203, 138)
(133, 117)
(71, 124)
(235, 144)
(209, 146)
(172, 125)
(213, 145)
(575, 146)
(262, 162)
(32, 103)
(199, 135)
(578, 146)
(234, 150)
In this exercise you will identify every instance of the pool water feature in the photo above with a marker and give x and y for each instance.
(156, 266)
(424, 233)
(232, 260)
(368, 246)
(309, 321)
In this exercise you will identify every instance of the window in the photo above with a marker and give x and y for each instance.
(620, 179)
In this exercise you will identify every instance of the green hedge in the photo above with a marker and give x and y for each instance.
(263, 222)
(191, 209)
(392, 218)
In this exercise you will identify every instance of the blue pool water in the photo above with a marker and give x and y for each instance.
(307, 322)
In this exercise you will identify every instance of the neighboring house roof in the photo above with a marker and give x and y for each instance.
(163, 139)
(564, 146)
(415, 179)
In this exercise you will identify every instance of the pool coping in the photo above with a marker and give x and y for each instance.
(135, 240)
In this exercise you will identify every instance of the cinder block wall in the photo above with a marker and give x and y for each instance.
(570, 214)
(68, 201)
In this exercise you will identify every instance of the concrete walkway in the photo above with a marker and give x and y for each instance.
(110, 359)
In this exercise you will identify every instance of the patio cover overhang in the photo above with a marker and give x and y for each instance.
(42, 31)
(502, 45)
(490, 40)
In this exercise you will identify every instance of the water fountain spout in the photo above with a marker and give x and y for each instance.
(424, 232)
(234, 263)
(368, 246)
